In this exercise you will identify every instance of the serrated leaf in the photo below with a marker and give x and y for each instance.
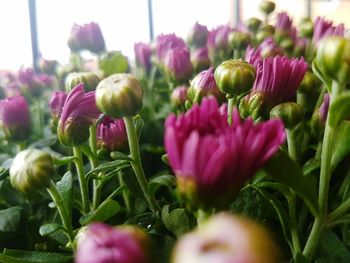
(286, 171)
(49, 229)
(179, 221)
(105, 211)
(339, 109)
(65, 188)
(342, 145)
(162, 180)
(10, 218)
(22, 256)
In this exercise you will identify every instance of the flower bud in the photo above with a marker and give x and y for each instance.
(57, 101)
(261, 35)
(179, 96)
(101, 243)
(15, 118)
(306, 28)
(48, 66)
(308, 91)
(177, 65)
(227, 238)
(31, 170)
(253, 24)
(290, 113)
(119, 95)
(197, 36)
(234, 77)
(255, 105)
(287, 44)
(204, 85)
(239, 40)
(143, 54)
(267, 7)
(90, 80)
(200, 59)
(333, 58)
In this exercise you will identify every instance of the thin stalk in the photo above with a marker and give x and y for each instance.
(94, 164)
(125, 194)
(82, 180)
(339, 211)
(293, 223)
(40, 118)
(292, 146)
(231, 103)
(137, 165)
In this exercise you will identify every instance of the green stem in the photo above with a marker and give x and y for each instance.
(314, 237)
(339, 211)
(293, 222)
(40, 117)
(292, 146)
(125, 194)
(137, 165)
(202, 216)
(94, 164)
(82, 180)
(231, 104)
(62, 209)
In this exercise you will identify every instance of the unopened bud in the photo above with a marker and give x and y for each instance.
(90, 80)
(290, 113)
(267, 7)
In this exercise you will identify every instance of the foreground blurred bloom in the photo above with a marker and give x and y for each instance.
(177, 65)
(34, 83)
(211, 159)
(198, 34)
(143, 55)
(104, 244)
(78, 113)
(119, 95)
(90, 80)
(86, 37)
(15, 118)
(324, 28)
(165, 43)
(225, 238)
(111, 134)
(204, 85)
(31, 170)
(179, 96)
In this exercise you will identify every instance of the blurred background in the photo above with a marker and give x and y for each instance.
(41, 27)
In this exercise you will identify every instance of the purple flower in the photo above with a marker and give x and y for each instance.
(200, 59)
(104, 244)
(111, 134)
(87, 37)
(324, 107)
(143, 55)
(198, 35)
(324, 28)
(57, 101)
(267, 48)
(211, 159)
(177, 65)
(279, 78)
(218, 38)
(179, 96)
(284, 22)
(15, 118)
(165, 43)
(34, 83)
(78, 113)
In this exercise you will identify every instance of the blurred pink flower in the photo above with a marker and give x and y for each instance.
(143, 55)
(325, 28)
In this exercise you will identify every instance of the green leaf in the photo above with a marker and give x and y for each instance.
(65, 188)
(311, 166)
(113, 62)
(319, 74)
(165, 159)
(22, 256)
(146, 220)
(139, 123)
(105, 211)
(332, 249)
(179, 221)
(120, 156)
(10, 218)
(49, 229)
(339, 109)
(162, 180)
(286, 171)
(4, 172)
(59, 161)
(108, 166)
(342, 145)
(47, 142)
(9, 195)
(132, 184)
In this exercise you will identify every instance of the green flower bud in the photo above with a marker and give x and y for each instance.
(262, 34)
(290, 113)
(308, 91)
(255, 105)
(267, 7)
(317, 125)
(90, 80)
(234, 77)
(269, 28)
(119, 95)
(306, 28)
(253, 24)
(333, 58)
(287, 44)
(31, 170)
(239, 40)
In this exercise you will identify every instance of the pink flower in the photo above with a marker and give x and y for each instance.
(143, 55)
(78, 113)
(200, 59)
(111, 134)
(177, 64)
(104, 244)
(165, 43)
(266, 49)
(284, 22)
(211, 159)
(324, 28)
(33, 82)
(57, 101)
(324, 107)
(15, 118)
(179, 96)
(198, 35)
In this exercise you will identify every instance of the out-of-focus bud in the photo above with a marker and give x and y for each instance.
(101, 243)
(239, 40)
(287, 44)
(319, 118)
(333, 58)
(34, 83)
(90, 81)
(179, 96)
(177, 65)
(235, 76)
(15, 118)
(113, 62)
(308, 91)
(200, 59)
(227, 238)
(306, 28)
(143, 54)
(253, 24)
(57, 101)
(48, 66)
(119, 95)
(197, 36)
(267, 7)
(31, 170)
(204, 85)
(290, 113)
(255, 105)
(265, 32)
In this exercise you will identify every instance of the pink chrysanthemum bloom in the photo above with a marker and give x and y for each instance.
(111, 134)
(143, 55)
(34, 83)
(78, 113)
(15, 118)
(198, 35)
(200, 59)
(104, 244)
(57, 101)
(284, 22)
(211, 159)
(165, 43)
(324, 28)
(267, 48)
(177, 65)
(278, 78)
